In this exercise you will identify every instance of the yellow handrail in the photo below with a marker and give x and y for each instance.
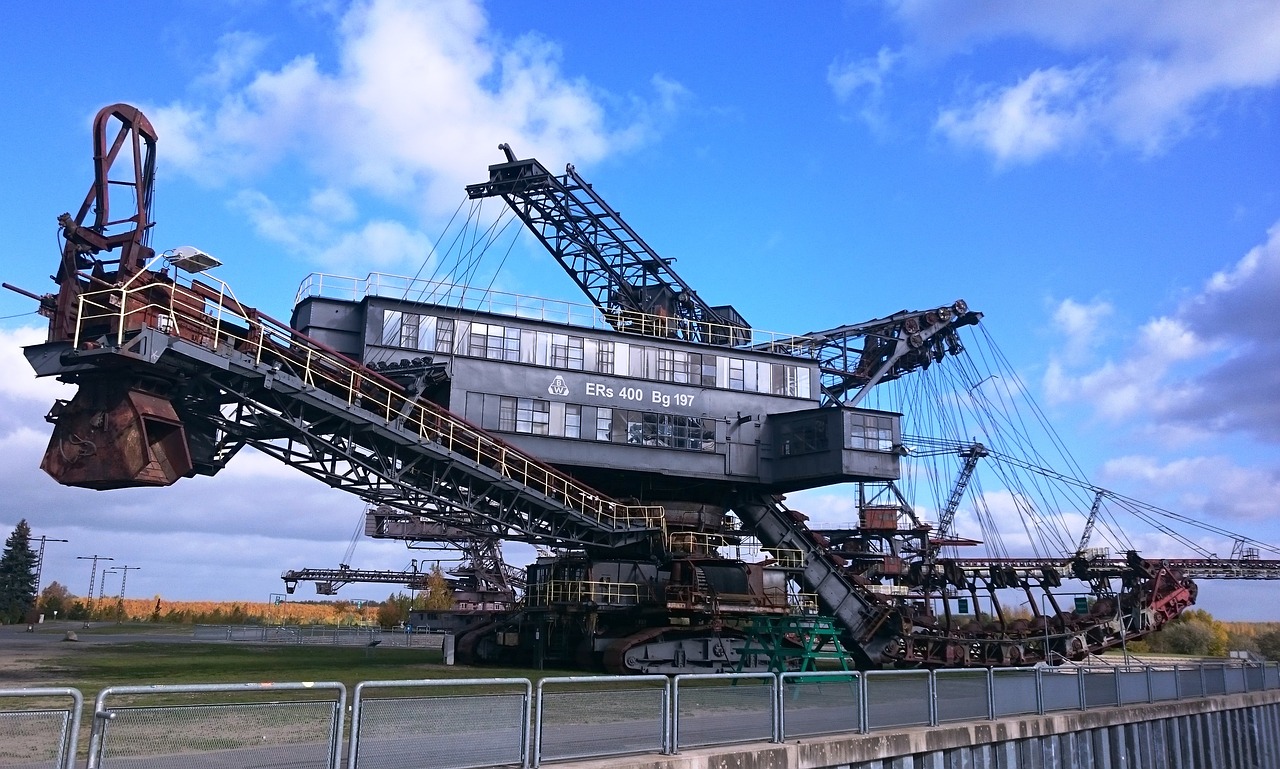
(211, 317)
(580, 591)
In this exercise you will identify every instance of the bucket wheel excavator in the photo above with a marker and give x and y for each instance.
(639, 450)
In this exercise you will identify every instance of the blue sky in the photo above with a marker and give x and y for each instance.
(1098, 178)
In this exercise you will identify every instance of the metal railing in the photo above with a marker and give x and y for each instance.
(206, 732)
(209, 316)
(464, 297)
(468, 723)
(580, 591)
(593, 716)
(716, 709)
(36, 733)
(441, 723)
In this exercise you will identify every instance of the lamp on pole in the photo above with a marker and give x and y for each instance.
(40, 558)
(93, 573)
(102, 588)
(124, 575)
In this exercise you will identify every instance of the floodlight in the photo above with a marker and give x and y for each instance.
(191, 259)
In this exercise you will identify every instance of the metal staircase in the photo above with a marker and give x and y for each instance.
(865, 615)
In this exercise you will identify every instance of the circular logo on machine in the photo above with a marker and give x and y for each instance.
(558, 387)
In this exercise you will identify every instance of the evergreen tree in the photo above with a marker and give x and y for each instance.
(17, 575)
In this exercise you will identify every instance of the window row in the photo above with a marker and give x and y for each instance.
(534, 416)
(577, 353)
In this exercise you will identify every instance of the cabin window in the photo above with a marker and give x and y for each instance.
(604, 357)
(444, 335)
(604, 420)
(803, 437)
(572, 420)
(533, 416)
(871, 433)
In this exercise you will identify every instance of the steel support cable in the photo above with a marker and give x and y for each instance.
(988, 423)
(431, 253)
(476, 250)
(355, 538)
(992, 536)
(1128, 503)
(1046, 425)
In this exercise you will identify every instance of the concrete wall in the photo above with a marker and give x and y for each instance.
(1240, 731)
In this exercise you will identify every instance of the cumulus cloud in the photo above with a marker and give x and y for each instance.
(1211, 367)
(223, 537)
(1211, 488)
(317, 232)
(1044, 112)
(419, 99)
(1138, 74)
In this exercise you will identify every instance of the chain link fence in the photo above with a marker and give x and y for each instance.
(35, 731)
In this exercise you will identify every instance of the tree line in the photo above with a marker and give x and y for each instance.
(1195, 632)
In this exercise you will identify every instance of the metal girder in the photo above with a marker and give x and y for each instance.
(1191, 568)
(608, 260)
(338, 578)
(971, 456)
(855, 358)
(251, 402)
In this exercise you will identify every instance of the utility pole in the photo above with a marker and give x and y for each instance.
(124, 575)
(102, 588)
(40, 559)
(93, 573)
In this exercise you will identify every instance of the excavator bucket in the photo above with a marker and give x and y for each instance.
(113, 436)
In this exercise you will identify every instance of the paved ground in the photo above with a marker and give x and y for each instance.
(33, 658)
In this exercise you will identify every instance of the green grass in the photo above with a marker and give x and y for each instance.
(92, 667)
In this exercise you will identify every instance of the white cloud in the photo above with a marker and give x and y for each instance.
(1210, 368)
(420, 98)
(1139, 74)
(1044, 112)
(1212, 488)
(378, 244)
(1082, 325)
(18, 382)
(864, 81)
(236, 56)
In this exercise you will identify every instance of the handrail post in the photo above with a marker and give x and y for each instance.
(124, 299)
(75, 338)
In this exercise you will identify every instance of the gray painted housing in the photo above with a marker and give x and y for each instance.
(660, 434)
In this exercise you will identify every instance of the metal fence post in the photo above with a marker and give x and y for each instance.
(1040, 691)
(675, 718)
(1115, 673)
(779, 706)
(1084, 700)
(865, 724)
(535, 753)
(1177, 683)
(933, 698)
(991, 694)
(1151, 695)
